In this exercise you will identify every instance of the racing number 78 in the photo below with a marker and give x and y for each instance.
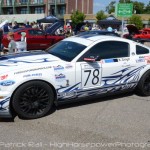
(95, 76)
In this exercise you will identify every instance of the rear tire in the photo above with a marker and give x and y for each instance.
(33, 100)
(143, 87)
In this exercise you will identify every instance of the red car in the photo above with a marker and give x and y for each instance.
(144, 34)
(134, 33)
(36, 39)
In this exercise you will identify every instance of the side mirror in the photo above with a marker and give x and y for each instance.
(89, 59)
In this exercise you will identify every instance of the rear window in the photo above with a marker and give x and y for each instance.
(141, 50)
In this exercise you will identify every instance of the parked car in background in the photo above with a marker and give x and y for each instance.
(36, 39)
(136, 34)
(98, 32)
(53, 28)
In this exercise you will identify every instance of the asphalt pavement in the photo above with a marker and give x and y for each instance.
(112, 123)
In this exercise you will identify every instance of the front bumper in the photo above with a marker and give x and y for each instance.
(4, 108)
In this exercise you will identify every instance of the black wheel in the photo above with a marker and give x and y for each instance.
(143, 87)
(33, 99)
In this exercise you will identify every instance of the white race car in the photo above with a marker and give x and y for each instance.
(75, 68)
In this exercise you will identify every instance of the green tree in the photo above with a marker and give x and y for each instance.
(147, 8)
(77, 17)
(111, 7)
(135, 19)
(138, 7)
(100, 15)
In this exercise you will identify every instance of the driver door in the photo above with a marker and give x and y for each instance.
(99, 64)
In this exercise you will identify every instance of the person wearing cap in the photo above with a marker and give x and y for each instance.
(12, 44)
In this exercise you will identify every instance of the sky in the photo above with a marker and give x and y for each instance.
(101, 4)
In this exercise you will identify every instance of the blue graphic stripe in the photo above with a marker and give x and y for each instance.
(2, 103)
(123, 78)
(69, 89)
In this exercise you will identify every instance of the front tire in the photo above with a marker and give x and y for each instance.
(33, 100)
(143, 87)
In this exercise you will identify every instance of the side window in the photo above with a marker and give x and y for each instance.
(108, 49)
(141, 50)
(39, 32)
(32, 32)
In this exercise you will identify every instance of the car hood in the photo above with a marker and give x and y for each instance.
(132, 29)
(25, 60)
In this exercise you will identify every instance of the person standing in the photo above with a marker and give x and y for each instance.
(28, 25)
(6, 28)
(16, 26)
(12, 44)
(1, 36)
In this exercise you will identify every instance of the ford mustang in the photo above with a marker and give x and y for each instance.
(73, 69)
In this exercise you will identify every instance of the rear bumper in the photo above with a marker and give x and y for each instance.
(4, 108)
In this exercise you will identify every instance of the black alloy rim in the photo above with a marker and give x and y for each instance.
(34, 100)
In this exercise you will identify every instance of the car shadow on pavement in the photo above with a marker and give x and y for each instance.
(93, 100)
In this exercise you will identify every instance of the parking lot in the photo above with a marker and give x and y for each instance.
(118, 122)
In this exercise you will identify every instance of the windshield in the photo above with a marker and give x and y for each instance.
(66, 50)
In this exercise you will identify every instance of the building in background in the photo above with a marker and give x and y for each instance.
(61, 7)
(23, 6)
(64, 8)
(22, 10)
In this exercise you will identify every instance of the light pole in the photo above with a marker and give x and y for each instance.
(55, 7)
(123, 24)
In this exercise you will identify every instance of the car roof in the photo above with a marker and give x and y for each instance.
(20, 29)
(89, 39)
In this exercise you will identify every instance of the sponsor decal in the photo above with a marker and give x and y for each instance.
(59, 67)
(32, 75)
(141, 56)
(3, 77)
(140, 60)
(7, 83)
(147, 58)
(34, 69)
(123, 59)
(60, 76)
(70, 94)
(110, 60)
(68, 66)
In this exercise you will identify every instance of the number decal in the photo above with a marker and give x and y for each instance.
(95, 76)
(89, 71)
